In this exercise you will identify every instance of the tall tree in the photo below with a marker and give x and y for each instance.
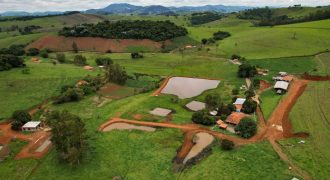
(115, 73)
(68, 136)
(75, 47)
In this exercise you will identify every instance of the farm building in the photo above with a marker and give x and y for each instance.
(222, 124)
(281, 87)
(236, 117)
(160, 112)
(196, 106)
(31, 126)
(239, 104)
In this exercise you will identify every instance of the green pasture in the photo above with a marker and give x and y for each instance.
(311, 115)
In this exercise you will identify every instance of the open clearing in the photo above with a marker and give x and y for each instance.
(184, 87)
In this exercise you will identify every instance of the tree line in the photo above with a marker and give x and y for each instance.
(266, 17)
(204, 17)
(139, 29)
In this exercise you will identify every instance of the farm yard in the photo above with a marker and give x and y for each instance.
(163, 109)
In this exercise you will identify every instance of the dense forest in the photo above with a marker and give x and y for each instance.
(154, 30)
(204, 17)
(266, 17)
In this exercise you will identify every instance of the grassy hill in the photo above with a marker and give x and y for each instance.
(298, 11)
(267, 42)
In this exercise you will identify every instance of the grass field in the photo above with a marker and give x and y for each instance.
(311, 114)
(21, 91)
(269, 101)
(323, 64)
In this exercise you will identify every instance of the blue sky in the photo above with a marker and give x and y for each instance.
(67, 5)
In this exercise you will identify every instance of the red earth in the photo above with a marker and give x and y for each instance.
(62, 44)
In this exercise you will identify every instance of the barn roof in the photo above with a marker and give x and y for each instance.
(281, 85)
(160, 112)
(196, 105)
(236, 117)
(240, 101)
(31, 124)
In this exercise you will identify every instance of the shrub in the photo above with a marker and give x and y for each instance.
(227, 145)
(20, 117)
(249, 93)
(103, 61)
(32, 52)
(44, 53)
(79, 60)
(235, 56)
(75, 47)
(231, 107)
(256, 83)
(246, 128)
(60, 57)
(115, 73)
(26, 71)
(136, 55)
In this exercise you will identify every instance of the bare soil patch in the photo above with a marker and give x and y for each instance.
(61, 44)
(201, 140)
(115, 91)
(125, 126)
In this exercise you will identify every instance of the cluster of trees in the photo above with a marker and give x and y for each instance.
(71, 93)
(17, 50)
(68, 136)
(204, 17)
(8, 61)
(247, 70)
(266, 17)
(154, 30)
(246, 127)
(116, 74)
(19, 118)
(28, 29)
(32, 52)
(213, 102)
(220, 35)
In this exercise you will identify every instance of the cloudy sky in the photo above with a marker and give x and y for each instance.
(67, 5)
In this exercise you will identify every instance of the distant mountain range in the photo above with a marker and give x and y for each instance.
(124, 8)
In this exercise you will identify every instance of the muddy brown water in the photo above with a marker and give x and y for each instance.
(184, 87)
(126, 126)
(202, 141)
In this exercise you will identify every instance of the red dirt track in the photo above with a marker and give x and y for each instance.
(61, 44)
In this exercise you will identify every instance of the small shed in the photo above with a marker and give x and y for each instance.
(31, 126)
(236, 117)
(222, 124)
(160, 112)
(196, 106)
(239, 104)
(281, 87)
(35, 60)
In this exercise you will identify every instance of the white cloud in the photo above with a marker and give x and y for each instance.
(67, 5)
